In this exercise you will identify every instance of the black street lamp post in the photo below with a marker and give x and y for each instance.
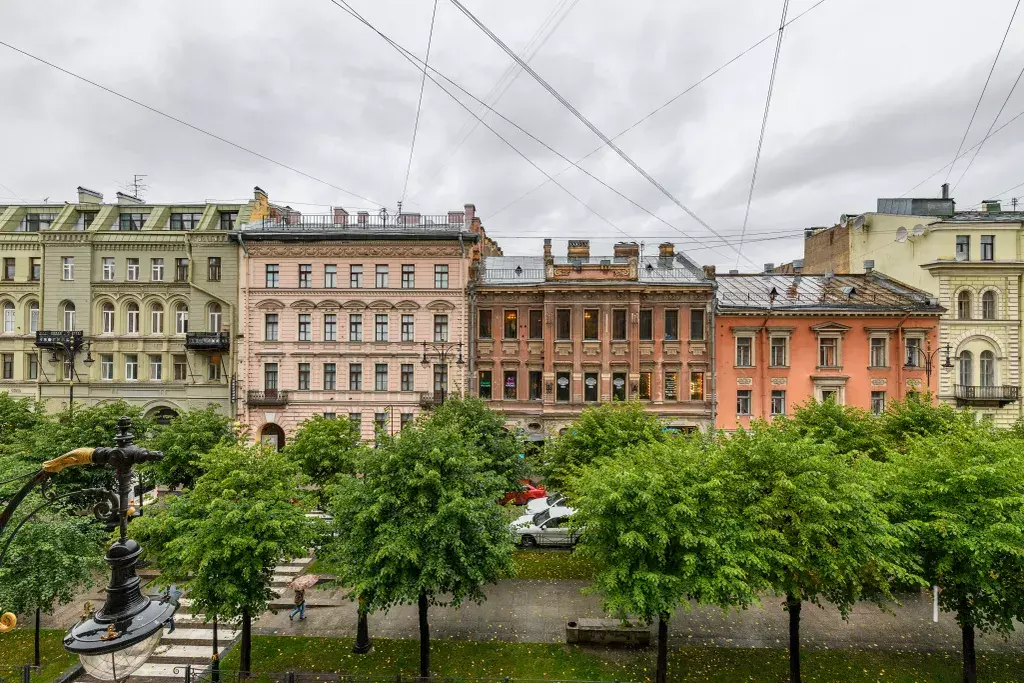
(70, 345)
(116, 639)
(914, 353)
(442, 350)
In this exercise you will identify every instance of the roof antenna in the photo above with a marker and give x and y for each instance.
(135, 186)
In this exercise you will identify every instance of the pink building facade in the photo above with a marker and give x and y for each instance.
(336, 311)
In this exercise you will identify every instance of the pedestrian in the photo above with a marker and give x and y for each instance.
(300, 606)
(171, 592)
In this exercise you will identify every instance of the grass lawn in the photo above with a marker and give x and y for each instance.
(16, 650)
(688, 664)
(551, 564)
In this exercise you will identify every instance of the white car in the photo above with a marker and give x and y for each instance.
(545, 528)
(539, 504)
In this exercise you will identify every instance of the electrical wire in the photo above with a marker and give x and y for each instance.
(983, 89)
(419, 103)
(594, 129)
(764, 126)
(186, 123)
(990, 127)
(13, 193)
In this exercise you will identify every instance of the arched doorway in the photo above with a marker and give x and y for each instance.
(272, 435)
(163, 416)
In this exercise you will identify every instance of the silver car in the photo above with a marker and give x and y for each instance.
(548, 527)
(539, 504)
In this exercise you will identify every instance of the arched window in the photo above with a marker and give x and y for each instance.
(987, 369)
(966, 368)
(133, 318)
(215, 317)
(181, 319)
(33, 317)
(8, 317)
(963, 305)
(107, 316)
(156, 325)
(69, 316)
(988, 305)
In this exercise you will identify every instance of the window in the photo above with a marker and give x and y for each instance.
(988, 305)
(591, 318)
(966, 368)
(273, 275)
(590, 386)
(963, 305)
(69, 316)
(671, 325)
(330, 376)
(305, 275)
(563, 324)
(536, 385)
(270, 377)
(743, 402)
(915, 357)
(181, 319)
(671, 386)
(744, 352)
(697, 323)
(156, 322)
(132, 270)
(330, 276)
(68, 268)
(107, 366)
(87, 218)
(33, 317)
(355, 276)
(877, 402)
(406, 420)
(132, 310)
(305, 327)
(156, 368)
(879, 348)
(330, 416)
(180, 368)
(215, 317)
(440, 328)
(441, 276)
(511, 330)
(779, 348)
(67, 370)
(380, 327)
(9, 317)
(408, 276)
(988, 247)
(330, 327)
(408, 327)
(355, 327)
(619, 386)
(380, 422)
(34, 222)
(380, 377)
(156, 272)
(987, 369)
(181, 270)
(356, 419)
(185, 221)
(270, 327)
(828, 352)
(963, 247)
(213, 269)
(382, 276)
(132, 221)
(619, 324)
(484, 385)
(511, 390)
(227, 220)
(213, 371)
(536, 324)
(8, 366)
(33, 366)
(778, 402)
(131, 367)
(696, 386)
(355, 377)
(108, 268)
(36, 269)
(304, 376)
(484, 324)
(645, 386)
(8, 268)
(107, 317)
(646, 324)
(408, 377)
(563, 387)
(440, 377)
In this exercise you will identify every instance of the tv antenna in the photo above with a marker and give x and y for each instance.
(135, 187)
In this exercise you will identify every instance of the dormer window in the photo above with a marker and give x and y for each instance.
(132, 221)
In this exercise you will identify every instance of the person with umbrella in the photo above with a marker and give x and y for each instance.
(299, 585)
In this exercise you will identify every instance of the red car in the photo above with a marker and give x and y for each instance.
(525, 494)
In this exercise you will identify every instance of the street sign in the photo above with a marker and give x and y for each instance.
(48, 339)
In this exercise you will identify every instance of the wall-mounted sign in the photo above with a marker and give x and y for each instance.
(591, 381)
(563, 381)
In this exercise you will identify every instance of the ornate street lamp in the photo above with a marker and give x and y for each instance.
(442, 350)
(70, 344)
(115, 640)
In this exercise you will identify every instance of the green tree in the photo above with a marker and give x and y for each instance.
(915, 416)
(819, 527)
(661, 524)
(184, 441)
(18, 415)
(422, 526)
(325, 448)
(849, 429)
(963, 492)
(223, 538)
(600, 431)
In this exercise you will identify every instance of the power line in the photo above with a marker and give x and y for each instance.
(983, 89)
(419, 103)
(13, 193)
(185, 123)
(658, 109)
(764, 126)
(990, 127)
(594, 129)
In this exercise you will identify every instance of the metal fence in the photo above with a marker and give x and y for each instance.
(207, 675)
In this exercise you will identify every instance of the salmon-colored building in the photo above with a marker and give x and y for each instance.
(781, 339)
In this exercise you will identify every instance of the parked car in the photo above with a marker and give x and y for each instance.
(551, 500)
(526, 493)
(546, 528)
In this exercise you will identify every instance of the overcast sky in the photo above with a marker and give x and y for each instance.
(871, 97)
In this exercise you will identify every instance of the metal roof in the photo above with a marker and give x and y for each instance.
(664, 270)
(512, 270)
(796, 292)
(529, 270)
(985, 217)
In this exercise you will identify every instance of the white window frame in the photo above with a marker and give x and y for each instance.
(10, 317)
(156, 367)
(108, 317)
(736, 351)
(839, 349)
(215, 315)
(108, 268)
(441, 276)
(131, 367)
(156, 319)
(772, 338)
(180, 320)
(70, 316)
(381, 325)
(107, 367)
(132, 319)
(330, 276)
(156, 270)
(132, 270)
(408, 327)
(33, 317)
(884, 338)
(67, 268)
(331, 328)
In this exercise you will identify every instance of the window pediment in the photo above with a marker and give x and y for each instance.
(381, 305)
(407, 305)
(830, 329)
(353, 304)
(441, 306)
(269, 305)
(302, 304)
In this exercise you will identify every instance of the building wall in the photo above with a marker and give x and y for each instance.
(827, 250)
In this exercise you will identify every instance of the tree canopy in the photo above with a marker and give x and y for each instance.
(184, 441)
(324, 448)
(849, 429)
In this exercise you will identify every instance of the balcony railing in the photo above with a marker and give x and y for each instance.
(432, 398)
(454, 221)
(207, 341)
(268, 397)
(1001, 394)
(58, 339)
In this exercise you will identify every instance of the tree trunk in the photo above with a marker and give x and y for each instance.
(794, 605)
(215, 660)
(37, 638)
(970, 657)
(424, 638)
(662, 672)
(246, 646)
(362, 645)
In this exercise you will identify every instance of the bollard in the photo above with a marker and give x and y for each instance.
(188, 673)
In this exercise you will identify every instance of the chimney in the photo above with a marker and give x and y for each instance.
(456, 217)
(579, 249)
(769, 267)
(86, 196)
(666, 250)
(340, 216)
(869, 265)
(734, 272)
(470, 212)
(709, 272)
(626, 250)
(123, 198)
(362, 218)
(798, 266)
(992, 205)
(547, 249)
(945, 190)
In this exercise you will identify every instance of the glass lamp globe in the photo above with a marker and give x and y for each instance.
(117, 666)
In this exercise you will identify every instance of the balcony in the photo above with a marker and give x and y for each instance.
(992, 395)
(59, 339)
(269, 397)
(207, 341)
(431, 398)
